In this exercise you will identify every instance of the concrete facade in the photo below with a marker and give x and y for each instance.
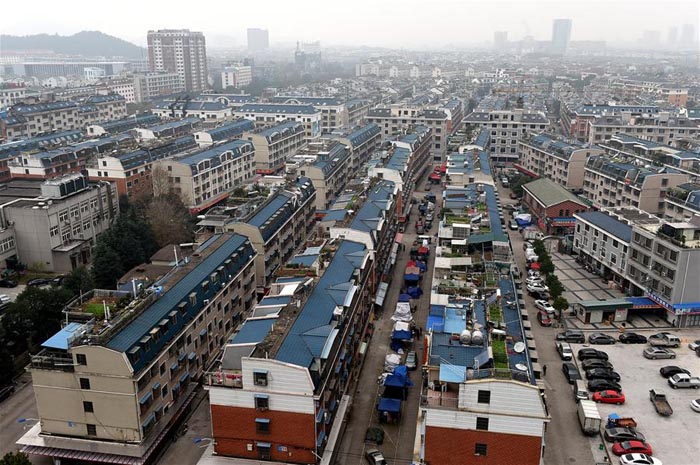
(180, 51)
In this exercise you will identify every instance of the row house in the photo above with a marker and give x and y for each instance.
(334, 113)
(223, 133)
(362, 143)
(575, 117)
(661, 127)
(275, 144)
(111, 389)
(265, 114)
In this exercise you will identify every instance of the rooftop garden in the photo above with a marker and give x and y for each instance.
(500, 354)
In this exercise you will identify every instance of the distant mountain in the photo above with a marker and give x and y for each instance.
(85, 43)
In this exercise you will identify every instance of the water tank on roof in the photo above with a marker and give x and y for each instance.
(466, 337)
(477, 337)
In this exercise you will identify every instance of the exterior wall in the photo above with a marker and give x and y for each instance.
(182, 52)
(546, 215)
(12, 95)
(662, 134)
(566, 171)
(151, 85)
(271, 156)
(446, 446)
(327, 186)
(311, 122)
(236, 76)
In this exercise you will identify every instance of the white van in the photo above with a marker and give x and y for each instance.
(564, 349)
(580, 391)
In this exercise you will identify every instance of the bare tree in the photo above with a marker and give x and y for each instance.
(170, 220)
(160, 180)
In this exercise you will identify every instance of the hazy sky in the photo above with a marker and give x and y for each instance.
(394, 23)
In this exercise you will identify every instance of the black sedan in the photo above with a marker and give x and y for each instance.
(632, 338)
(623, 434)
(588, 353)
(600, 338)
(4, 282)
(571, 335)
(570, 371)
(602, 373)
(596, 385)
(593, 363)
(39, 282)
(671, 370)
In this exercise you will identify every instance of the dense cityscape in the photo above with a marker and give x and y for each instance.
(287, 252)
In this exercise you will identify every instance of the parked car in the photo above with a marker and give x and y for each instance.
(694, 345)
(671, 370)
(374, 457)
(664, 339)
(695, 405)
(596, 385)
(534, 281)
(537, 288)
(684, 381)
(544, 318)
(591, 363)
(632, 338)
(639, 459)
(513, 225)
(528, 245)
(588, 353)
(622, 433)
(654, 353)
(39, 282)
(564, 350)
(411, 360)
(4, 282)
(631, 447)
(5, 299)
(544, 295)
(601, 338)
(570, 371)
(602, 373)
(571, 335)
(609, 397)
(545, 306)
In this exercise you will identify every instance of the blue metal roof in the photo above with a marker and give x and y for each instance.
(333, 215)
(378, 201)
(237, 147)
(275, 300)
(130, 122)
(482, 140)
(282, 128)
(315, 101)
(303, 260)
(608, 223)
(253, 331)
(332, 160)
(364, 134)
(174, 124)
(303, 342)
(60, 339)
(140, 326)
(230, 130)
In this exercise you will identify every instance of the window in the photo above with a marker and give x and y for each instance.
(164, 392)
(162, 368)
(84, 383)
(480, 449)
(260, 378)
(262, 403)
(262, 426)
(81, 359)
(91, 430)
(53, 231)
(484, 397)
(264, 451)
(88, 407)
(482, 423)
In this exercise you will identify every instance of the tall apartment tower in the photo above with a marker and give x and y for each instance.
(258, 39)
(561, 34)
(180, 51)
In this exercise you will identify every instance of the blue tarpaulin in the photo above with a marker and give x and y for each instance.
(422, 266)
(389, 405)
(522, 223)
(404, 298)
(401, 335)
(411, 277)
(414, 292)
(399, 378)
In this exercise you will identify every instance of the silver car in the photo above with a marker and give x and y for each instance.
(654, 353)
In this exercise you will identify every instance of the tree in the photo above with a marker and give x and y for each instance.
(560, 304)
(555, 287)
(546, 265)
(107, 265)
(170, 220)
(7, 366)
(79, 281)
(15, 458)
(160, 181)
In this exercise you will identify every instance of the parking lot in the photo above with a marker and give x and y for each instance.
(674, 439)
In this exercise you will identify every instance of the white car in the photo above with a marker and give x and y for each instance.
(545, 306)
(694, 345)
(537, 288)
(639, 459)
(532, 281)
(5, 299)
(658, 352)
(534, 274)
(695, 405)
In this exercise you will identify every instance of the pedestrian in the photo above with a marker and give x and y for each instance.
(544, 370)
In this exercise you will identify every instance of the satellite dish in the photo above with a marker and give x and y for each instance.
(519, 347)
(520, 367)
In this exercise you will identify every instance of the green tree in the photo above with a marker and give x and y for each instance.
(79, 281)
(7, 366)
(560, 304)
(15, 458)
(546, 265)
(555, 287)
(107, 265)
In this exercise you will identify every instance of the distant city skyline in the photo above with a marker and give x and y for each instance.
(468, 23)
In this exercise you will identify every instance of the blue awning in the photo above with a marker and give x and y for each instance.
(263, 444)
(452, 373)
(321, 438)
(184, 377)
(174, 366)
(259, 372)
(176, 387)
(146, 398)
(149, 420)
(156, 386)
(262, 420)
(192, 356)
(319, 415)
(181, 357)
(261, 396)
(61, 338)
(203, 332)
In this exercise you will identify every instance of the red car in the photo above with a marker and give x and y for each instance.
(631, 447)
(544, 318)
(609, 397)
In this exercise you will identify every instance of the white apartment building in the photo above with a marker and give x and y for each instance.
(11, 95)
(264, 114)
(148, 86)
(180, 51)
(275, 144)
(236, 76)
(661, 127)
(334, 113)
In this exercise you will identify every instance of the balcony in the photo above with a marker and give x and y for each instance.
(53, 360)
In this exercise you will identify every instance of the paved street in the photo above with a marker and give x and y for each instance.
(399, 439)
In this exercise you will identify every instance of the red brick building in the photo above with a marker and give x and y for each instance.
(552, 207)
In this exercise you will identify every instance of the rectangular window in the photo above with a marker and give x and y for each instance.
(91, 430)
(484, 397)
(88, 407)
(480, 449)
(260, 378)
(84, 383)
(264, 451)
(165, 391)
(262, 403)
(262, 426)
(81, 359)
(482, 423)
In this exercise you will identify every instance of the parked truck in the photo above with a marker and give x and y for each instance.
(683, 380)
(532, 233)
(589, 417)
(660, 402)
(664, 340)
